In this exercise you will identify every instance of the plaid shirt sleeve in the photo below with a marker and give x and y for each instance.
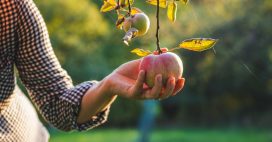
(48, 84)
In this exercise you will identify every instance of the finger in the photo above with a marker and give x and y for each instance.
(179, 85)
(130, 69)
(156, 89)
(170, 86)
(139, 82)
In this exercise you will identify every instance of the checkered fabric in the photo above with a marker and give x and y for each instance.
(24, 43)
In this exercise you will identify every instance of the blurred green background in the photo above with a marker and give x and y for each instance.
(228, 95)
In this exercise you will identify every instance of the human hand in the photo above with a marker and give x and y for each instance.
(128, 81)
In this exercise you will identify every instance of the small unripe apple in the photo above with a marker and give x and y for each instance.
(140, 21)
(167, 64)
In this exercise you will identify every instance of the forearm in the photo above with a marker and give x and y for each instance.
(96, 99)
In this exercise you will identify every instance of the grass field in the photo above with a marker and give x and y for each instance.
(176, 135)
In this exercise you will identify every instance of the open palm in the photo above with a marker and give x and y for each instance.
(128, 81)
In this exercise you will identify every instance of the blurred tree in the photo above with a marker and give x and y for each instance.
(231, 86)
(77, 32)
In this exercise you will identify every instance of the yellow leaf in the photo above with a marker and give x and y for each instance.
(140, 52)
(131, 2)
(162, 3)
(184, 1)
(198, 44)
(108, 5)
(113, 2)
(120, 21)
(172, 11)
(124, 3)
(135, 10)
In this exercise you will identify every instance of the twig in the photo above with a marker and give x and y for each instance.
(158, 27)
(118, 5)
(129, 7)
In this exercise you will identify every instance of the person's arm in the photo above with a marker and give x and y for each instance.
(49, 86)
(126, 81)
(70, 107)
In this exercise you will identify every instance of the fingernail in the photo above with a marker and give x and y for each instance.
(142, 72)
(172, 80)
(159, 78)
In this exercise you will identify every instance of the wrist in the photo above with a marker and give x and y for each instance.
(107, 85)
(96, 99)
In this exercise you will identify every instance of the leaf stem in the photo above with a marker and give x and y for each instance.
(172, 49)
(158, 27)
(129, 7)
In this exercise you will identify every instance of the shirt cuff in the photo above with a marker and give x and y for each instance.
(98, 119)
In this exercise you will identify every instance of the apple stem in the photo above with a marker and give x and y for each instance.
(158, 27)
(129, 8)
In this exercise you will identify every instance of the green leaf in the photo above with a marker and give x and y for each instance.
(198, 44)
(172, 11)
(108, 5)
(141, 52)
(162, 3)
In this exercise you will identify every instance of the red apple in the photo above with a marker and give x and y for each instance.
(167, 64)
